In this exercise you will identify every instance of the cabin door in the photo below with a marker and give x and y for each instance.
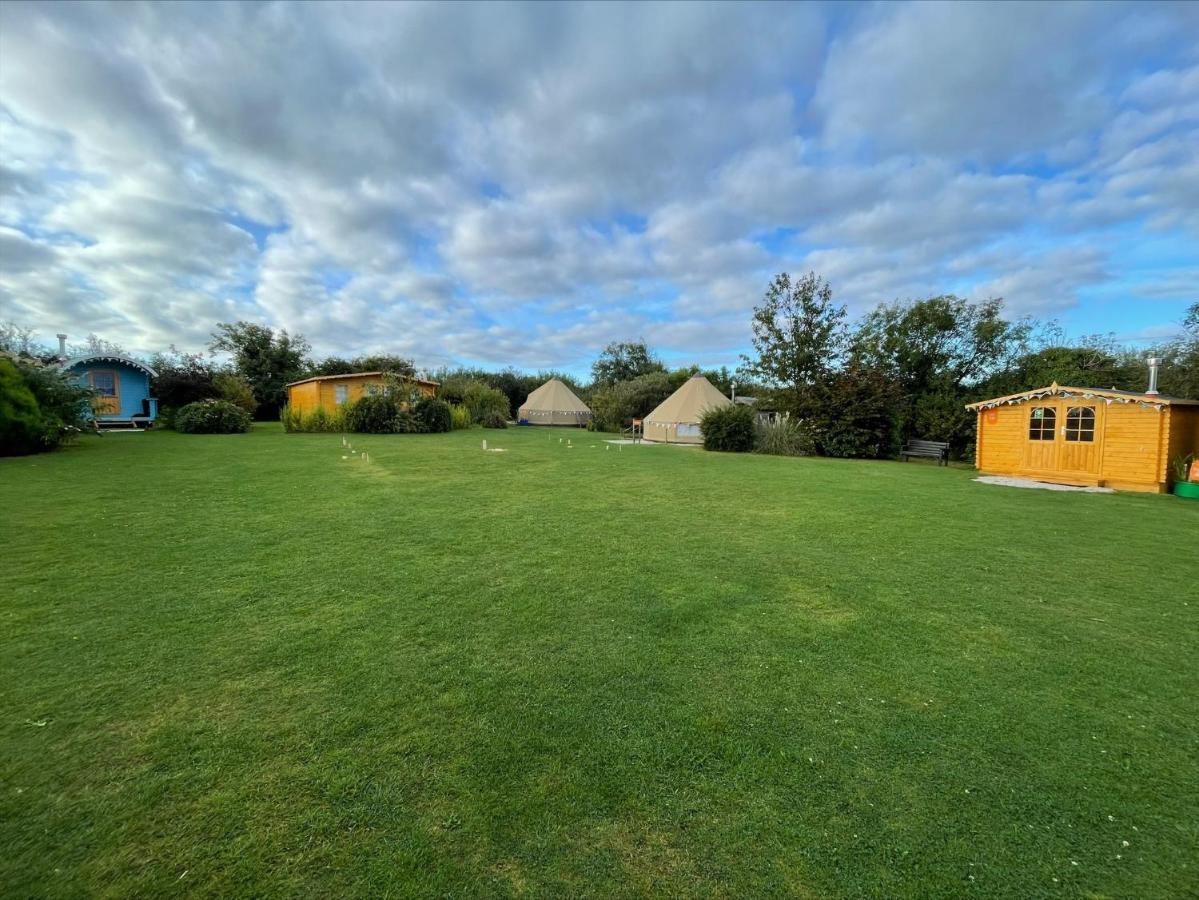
(1080, 427)
(1041, 438)
(108, 386)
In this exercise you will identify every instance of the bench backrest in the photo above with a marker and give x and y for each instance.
(928, 445)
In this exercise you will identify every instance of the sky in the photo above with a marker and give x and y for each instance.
(503, 184)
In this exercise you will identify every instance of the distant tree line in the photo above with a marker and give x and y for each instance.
(906, 370)
(849, 388)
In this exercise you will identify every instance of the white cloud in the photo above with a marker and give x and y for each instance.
(522, 183)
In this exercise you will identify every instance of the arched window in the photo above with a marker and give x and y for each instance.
(1080, 424)
(1042, 423)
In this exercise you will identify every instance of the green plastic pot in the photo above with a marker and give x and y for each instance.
(1187, 489)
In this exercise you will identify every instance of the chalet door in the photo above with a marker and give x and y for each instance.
(1042, 438)
(108, 385)
(1080, 427)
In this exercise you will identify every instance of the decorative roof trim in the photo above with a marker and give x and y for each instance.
(109, 358)
(1145, 401)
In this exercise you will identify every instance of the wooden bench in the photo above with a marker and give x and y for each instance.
(938, 450)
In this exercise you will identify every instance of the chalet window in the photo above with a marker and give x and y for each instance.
(1042, 423)
(104, 381)
(1080, 424)
(372, 390)
(341, 393)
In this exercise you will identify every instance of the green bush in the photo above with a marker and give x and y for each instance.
(784, 436)
(614, 407)
(729, 428)
(433, 414)
(373, 414)
(486, 404)
(318, 421)
(212, 417)
(406, 422)
(236, 390)
(22, 428)
(460, 417)
(61, 406)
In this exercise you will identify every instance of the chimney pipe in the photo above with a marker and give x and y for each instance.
(1154, 362)
(62, 347)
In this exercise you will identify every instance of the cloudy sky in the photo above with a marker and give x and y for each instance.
(524, 183)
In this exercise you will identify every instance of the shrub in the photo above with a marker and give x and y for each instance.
(232, 387)
(614, 407)
(182, 378)
(433, 414)
(406, 422)
(460, 417)
(373, 414)
(291, 419)
(486, 404)
(212, 417)
(729, 428)
(784, 436)
(22, 428)
(63, 405)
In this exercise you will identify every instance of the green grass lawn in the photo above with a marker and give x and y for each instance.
(247, 665)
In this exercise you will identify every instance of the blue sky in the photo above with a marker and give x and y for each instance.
(521, 184)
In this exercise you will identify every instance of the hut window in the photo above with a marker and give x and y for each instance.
(372, 389)
(341, 393)
(1080, 424)
(105, 382)
(1042, 422)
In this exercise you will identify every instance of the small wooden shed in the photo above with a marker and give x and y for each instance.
(1086, 436)
(331, 391)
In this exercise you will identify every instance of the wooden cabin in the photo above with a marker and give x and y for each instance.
(1086, 436)
(122, 386)
(331, 391)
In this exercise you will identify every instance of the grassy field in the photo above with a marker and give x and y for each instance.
(248, 665)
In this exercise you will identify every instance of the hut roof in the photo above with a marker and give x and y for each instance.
(109, 358)
(1156, 401)
(361, 375)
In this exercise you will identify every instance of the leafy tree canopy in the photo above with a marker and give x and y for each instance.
(268, 360)
(623, 361)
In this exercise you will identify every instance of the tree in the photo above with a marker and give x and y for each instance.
(1180, 370)
(17, 340)
(858, 417)
(799, 335)
(333, 365)
(182, 378)
(268, 361)
(624, 361)
(385, 362)
(615, 406)
(937, 350)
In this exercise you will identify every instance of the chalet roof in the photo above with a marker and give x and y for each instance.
(108, 358)
(1155, 401)
(362, 375)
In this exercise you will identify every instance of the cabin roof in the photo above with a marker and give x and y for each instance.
(109, 358)
(1157, 401)
(359, 375)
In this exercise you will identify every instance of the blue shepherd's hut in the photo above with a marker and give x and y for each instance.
(122, 387)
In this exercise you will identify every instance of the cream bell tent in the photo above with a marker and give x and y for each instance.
(676, 420)
(554, 404)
